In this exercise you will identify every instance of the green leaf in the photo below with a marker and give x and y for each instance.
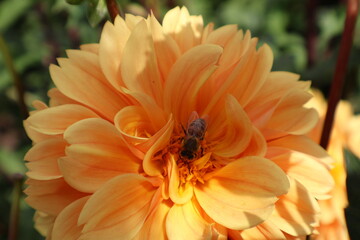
(74, 2)
(96, 11)
(11, 162)
(11, 10)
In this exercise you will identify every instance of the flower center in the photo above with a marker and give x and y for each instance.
(192, 155)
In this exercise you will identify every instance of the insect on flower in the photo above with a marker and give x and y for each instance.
(194, 134)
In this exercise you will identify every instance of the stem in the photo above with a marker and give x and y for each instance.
(113, 9)
(17, 82)
(15, 206)
(340, 71)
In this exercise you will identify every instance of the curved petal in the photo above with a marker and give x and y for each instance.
(305, 169)
(44, 223)
(242, 194)
(119, 209)
(90, 47)
(154, 166)
(139, 69)
(257, 145)
(42, 159)
(186, 78)
(238, 131)
(186, 30)
(55, 120)
(96, 154)
(65, 226)
(179, 193)
(112, 42)
(154, 226)
(305, 145)
(167, 51)
(264, 231)
(297, 212)
(50, 196)
(82, 87)
(184, 222)
(57, 98)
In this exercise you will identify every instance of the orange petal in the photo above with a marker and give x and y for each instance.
(266, 230)
(57, 98)
(276, 86)
(238, 131)
(186, 30)
(257, 145)
(96, 154)
(139, 67)
(119, 209)
(242, 194)
(184, 222)
(306, 169)
(305, 145)
(44, 223)
(112, 42)
(66, 226)
(179, 194)
(79, 85)
(90, 47)
(55, 120)
(193, 69)
(155, 114)
(167, 51)
(297, 212)
(154, 226)
(43, 158)
(154, 167)
(50, 196)
(302, 119)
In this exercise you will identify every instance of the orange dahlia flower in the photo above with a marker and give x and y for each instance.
(345, 134)
(174, 131)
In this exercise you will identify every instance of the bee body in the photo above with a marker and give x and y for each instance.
(194, 134)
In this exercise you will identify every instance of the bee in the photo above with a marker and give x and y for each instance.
(194, 134)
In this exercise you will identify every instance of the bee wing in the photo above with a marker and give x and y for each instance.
(193, 116)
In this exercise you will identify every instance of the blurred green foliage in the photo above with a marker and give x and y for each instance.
(37, 32)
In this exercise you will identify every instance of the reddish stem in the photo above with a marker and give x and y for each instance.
(340, 71)
(113, 9)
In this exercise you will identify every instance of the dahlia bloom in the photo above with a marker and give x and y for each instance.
(345, 134)
(174, 131)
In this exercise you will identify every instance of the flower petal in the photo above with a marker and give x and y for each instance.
(184, 222)
(139, 67)
(44, 223)
(79, 85)
(119, 209)
(297, 212)
(57, 98)
(96, 154)
(167, 51)
(186, 77)
(151, 165)
(50, 196)
(55, 120)
(154, 226)
(179, 194)
(112, 42)
(186, 30)
(257, 145)
(65, 226)
(305, 145)
(244, 192)
(304, 168)
(238, 131)
(90, 47)
(43, 158)
(264, 231)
